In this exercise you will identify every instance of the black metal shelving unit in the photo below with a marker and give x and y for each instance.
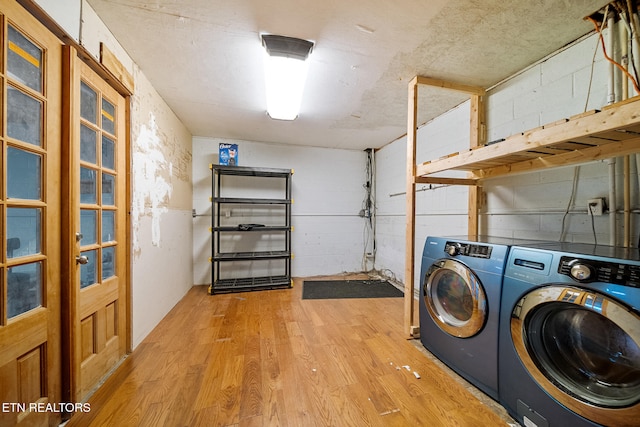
(279, 275)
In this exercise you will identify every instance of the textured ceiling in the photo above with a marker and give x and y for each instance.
(204, 58)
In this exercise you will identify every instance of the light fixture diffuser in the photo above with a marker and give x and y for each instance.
(285, 74)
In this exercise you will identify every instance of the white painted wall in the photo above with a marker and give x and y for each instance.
(161, 208)
(327, 189)
(161, 189)
(66, 13)
(523, 206)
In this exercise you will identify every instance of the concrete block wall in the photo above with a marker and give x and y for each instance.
(327, 191)
(530, 205)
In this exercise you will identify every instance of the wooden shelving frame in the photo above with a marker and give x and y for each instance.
(594, 135)
(219, 254)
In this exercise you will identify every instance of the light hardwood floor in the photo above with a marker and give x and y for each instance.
(269, 358)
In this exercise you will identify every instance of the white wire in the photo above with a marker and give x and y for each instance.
(576, 174)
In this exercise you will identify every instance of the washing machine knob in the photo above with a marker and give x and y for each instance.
(453, 249)
(581, 272)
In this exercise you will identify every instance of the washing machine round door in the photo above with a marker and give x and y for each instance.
(583, 348)
(455, 299)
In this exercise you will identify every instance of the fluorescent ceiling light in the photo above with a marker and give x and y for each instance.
(285, 74)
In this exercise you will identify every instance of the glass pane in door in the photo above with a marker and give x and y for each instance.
(24, 174)
(108, 226)
(108, 189)
(88, 103)
(108, 153)
(108, 261)
(88, 226)
(24, 288)
(88, 186)
(88, 271)
(24, 117)
(24, 60)
(23, 231)
(108, 116)
(87, 144)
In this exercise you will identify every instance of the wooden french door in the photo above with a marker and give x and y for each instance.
(95, 229)
(63, 239)
(30, 207)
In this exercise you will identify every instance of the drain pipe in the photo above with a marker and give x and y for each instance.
(613, 205)
(623, 34)
(623, 37)
(635, 41)
(637, 157)
(611, 94)
(635, 46)
(627, 201)
(611, 98)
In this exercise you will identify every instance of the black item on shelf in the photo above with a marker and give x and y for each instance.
(272, 258)
(247, 227)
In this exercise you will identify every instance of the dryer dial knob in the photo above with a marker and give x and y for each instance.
(453, 249)
(581, 272)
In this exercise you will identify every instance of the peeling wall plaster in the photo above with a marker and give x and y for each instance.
(161, 164)
(151, 190)
(161, 202)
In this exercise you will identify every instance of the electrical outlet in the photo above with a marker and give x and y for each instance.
(595, 207)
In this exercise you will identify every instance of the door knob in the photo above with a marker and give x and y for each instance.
(81, 259)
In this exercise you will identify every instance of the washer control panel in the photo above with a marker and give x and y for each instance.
(588, 270)
(468, 249)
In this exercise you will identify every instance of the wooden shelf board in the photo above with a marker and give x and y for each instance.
(446, 181)
(582, 138)
(601, 152)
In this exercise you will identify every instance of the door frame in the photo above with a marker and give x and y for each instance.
(109, 68)
(71, 77)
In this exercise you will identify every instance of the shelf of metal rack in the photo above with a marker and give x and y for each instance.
(280, 233)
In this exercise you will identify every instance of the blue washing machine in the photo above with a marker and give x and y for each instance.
(570, 336)
(461, 282)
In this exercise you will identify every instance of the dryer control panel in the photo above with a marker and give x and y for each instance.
(588, 270)
(468, 249)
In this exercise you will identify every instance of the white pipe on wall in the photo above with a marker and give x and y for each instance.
(637, 201)
(613, 238)
(627, 201)
(623, 34)
(635, 42)
(611, 98)
(635, 45)
(611, 22)
(623, 37)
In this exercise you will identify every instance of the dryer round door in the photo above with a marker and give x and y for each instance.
(583, 348)
(455, 298)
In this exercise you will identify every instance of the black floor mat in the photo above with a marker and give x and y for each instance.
(332, 289)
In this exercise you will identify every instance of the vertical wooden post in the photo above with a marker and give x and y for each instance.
(69, 297)
(477, 123)
(476, 138)
(409, 269)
